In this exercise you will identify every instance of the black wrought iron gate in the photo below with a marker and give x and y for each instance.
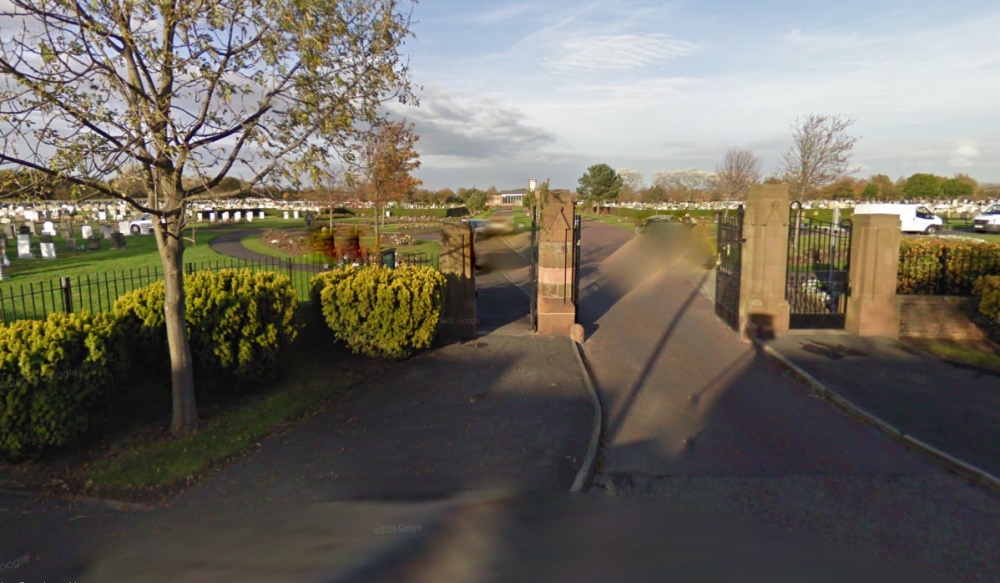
(577, 224)
(817, 284)
(533, 249)
(728, 272)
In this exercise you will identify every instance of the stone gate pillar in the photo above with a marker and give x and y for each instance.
(457, 263)
(872, 309)
(556, 310)
(763, 308)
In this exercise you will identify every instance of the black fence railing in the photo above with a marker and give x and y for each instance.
(943, 269)
(97, 292)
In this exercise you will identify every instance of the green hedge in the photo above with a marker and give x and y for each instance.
(238, 322)
(381, 312)
(988, 290)
(56, 379)
(935, 266)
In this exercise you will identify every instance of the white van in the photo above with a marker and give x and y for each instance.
(988, 221)
(913, 218)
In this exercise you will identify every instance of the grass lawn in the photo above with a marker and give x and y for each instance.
(623, 222)
(984, 354)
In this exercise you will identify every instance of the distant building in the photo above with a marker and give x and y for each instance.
(512, 197)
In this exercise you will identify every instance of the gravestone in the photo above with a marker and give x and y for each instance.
(93, 243)
(286, 214)
(296, 214)
(102, 215)
(24, 247)
(71, 243)
(260, 214)
(117, 241)
(48, 248)
(211, 217)
(249, 217)
(225, 215)
(87, 231)
(123, 228)
(48, 228)
(65, 231)
(237, 215)
(106, 231)
(31, 227)
(200, 215)
(3, 246)
(9, 231)
(23, 230)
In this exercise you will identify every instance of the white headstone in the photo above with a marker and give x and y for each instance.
(296, 214)
(48, 228)
(124, 229)
(87, 231)
(225, 215)
(106, 231)
(48, 250)
(211, 217)
(237, 215)
(286, 214)
(102, 215)
(249, 217)
(200, 215)
(24, 247)
(260, 215)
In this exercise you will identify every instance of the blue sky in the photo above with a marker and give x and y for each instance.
(512, 90)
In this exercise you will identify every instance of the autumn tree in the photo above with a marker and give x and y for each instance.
(600, 183)
(820, 154)
(922, 186)
(739, 170)
(389, 157)
(189, 92)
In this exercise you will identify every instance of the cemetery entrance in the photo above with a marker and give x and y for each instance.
(817, 284)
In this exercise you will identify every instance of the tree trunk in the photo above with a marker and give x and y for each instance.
(185, 411)
(376, 228)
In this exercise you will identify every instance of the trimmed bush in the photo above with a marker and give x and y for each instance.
(932, 266)
(56, 378)
(238, 322)
(988, 290)
(381, 312)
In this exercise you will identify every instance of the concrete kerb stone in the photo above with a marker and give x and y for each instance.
(949, 461)
(586, 470)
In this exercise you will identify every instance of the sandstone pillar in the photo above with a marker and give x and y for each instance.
(872, 309)
(764, 310)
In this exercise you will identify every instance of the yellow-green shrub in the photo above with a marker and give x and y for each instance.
(988, 290)
(381, 312)
(238, 322)
(56, 377)
(931, 266)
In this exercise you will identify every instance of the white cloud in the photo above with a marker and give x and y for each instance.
(617, 52)
(964, 156)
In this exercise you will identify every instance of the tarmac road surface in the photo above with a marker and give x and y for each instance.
(699, 418)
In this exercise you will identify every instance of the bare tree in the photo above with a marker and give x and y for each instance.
(739, 170)
(820, 154)
(188, 92)
(632, 183)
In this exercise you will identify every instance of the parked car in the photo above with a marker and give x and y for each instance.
(143, 224)
(913, 218)
(988, 221)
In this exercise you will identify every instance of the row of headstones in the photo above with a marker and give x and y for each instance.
(212, 216)
(47, 246)
(49, 229)
(29, 215)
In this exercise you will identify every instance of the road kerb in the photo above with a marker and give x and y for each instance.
(590, 460)
(949, 461)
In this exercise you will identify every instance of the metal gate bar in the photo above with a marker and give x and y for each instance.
(729, 270)
(817, 284)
